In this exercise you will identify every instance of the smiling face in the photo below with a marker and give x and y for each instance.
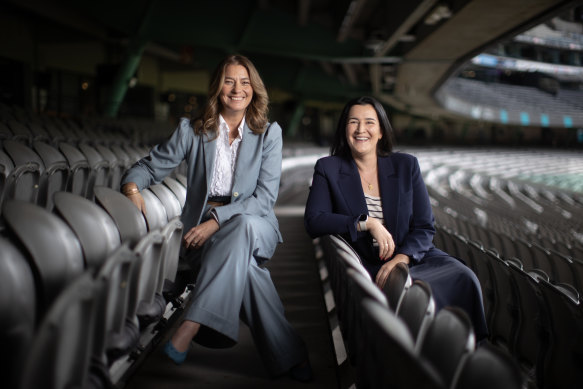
(363, 130)
(236, 93)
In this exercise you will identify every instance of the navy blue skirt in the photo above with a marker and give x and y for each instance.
(452, 284)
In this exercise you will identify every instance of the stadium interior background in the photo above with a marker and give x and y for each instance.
(450, 72)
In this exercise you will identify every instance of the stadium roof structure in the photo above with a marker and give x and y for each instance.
(313, 50)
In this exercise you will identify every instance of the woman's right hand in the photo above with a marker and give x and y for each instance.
(382, 236)
(130, 190)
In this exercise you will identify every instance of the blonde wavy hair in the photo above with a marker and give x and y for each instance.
(256, 114)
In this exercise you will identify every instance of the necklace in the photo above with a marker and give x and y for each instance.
(370, 186)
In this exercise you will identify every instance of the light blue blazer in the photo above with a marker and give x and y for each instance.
(256, 178)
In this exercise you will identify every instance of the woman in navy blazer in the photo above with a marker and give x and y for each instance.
(377, 200)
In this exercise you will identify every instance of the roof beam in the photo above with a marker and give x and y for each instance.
(352, 13)
(303, 12)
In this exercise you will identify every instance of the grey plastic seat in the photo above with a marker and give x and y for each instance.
(181, 178)
(359, 288)
(17, 310)
(94, 228)
(20, 132)
(145, 303)
(488, 368)
(116, 169)
(129, 220)
(79, 169)
(562, 367)
(155, 211)
(177, 188)
(170, 201)
(54, 250)
(24, 179)
(447, 341)
(99, 168)
(172, 233)
(112, 338)
(417, 309)
(6, 167)
(55, 175)
(391, 360)
(5, 132)
(122, 156)
(398, 282)
(62, 347)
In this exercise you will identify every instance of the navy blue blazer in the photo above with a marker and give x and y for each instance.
(336, 201)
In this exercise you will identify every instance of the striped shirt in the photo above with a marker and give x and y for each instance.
(375, 209)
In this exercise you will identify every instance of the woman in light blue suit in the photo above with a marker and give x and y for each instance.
(234, 165)
(378, 201)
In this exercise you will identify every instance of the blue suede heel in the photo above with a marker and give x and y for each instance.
(177, 356)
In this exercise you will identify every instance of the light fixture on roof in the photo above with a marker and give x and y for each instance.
(441, 11)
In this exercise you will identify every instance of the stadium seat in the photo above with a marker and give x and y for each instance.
(129, 220)
(504, 318)
(145, 302)
(169, 199)
(55, 175)
(24, 179)
(172, 233)
(54, 251)
(359, 288)
(182, 179)
(112, 336)
(100, 169)
(448, 339)
(20, 132)
(156, 216)
(177, 188)
(61, 351)
(488, 368)
(116, 168)
(482, 268)
(79, 169)
(417, 309)
(562, 365)
(17, 310)
(94, 228)
(391, 360)
(398, 282)
(6, 167)
(532, 333)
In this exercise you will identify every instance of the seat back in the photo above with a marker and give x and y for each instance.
(448, 339)
(417, 309)
(169, 199)
(94, 228)
(127, 217)
(100, 168)
(562, 365)
(177, 188)
(156, 216)
(398, 282)
(488, 368)
(115, 275)
(391, 360)
(17, 310)
(62, 347)
(116, 168)
(54, 251)
(25, 177)
(56, 173)
(79, 169)
(172, 233)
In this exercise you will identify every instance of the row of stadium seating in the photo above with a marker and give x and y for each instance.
(394, 337)
(89, 286)
(536, 319)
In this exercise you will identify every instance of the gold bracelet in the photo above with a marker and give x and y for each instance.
(131, 191)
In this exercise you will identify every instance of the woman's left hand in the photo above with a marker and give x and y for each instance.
(197, 235)
(385, 270)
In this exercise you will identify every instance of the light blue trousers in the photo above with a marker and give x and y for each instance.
(230, 286)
